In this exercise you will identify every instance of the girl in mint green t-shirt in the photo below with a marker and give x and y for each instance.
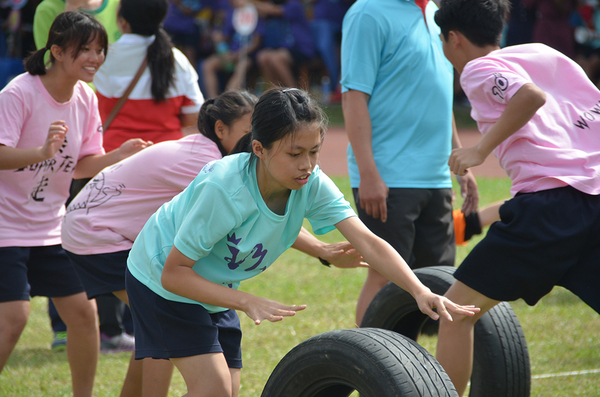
(231, 223)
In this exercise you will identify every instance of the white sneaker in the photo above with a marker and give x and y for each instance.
(117, 343)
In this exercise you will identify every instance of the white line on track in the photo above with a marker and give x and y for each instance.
(571, 373)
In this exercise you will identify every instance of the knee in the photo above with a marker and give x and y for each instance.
(262, 59)
(12, 325)
(82, 316)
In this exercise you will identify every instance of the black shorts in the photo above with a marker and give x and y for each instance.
(419, 225)
(36, 271)
(167, 329)
(101, 273)
(543, 239)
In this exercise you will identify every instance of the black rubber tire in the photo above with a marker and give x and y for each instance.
(500, 359)
(374, 362)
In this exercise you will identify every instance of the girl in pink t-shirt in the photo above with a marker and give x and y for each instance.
(36, 169)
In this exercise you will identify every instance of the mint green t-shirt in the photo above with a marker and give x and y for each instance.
(221, 221)
(48, 10)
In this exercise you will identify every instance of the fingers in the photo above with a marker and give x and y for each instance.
(279, 314)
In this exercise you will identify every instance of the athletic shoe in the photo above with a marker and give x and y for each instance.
(59, 343)
(117, 343)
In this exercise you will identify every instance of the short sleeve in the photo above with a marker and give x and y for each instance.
(12, 114)
(193, 96)
(362, 43)
(326, 204)
(212, 214)
(490, 85)
(92, 140)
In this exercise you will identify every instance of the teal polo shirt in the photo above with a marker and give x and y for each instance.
(390, 53)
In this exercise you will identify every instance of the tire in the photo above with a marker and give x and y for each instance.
(373, 362)
(500, 356)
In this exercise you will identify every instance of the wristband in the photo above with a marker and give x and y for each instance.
(324, 262)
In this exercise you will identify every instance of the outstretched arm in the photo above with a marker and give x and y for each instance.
(386, 260)
(519, 110)
(91, 165)
(179, 278)
(342, 254)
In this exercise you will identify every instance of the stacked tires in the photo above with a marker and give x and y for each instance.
(500, 359)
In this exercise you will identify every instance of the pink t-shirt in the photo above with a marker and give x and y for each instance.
(110, 211)
(32, 198)
(560, 145)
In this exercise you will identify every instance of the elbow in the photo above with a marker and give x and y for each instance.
(167, 281)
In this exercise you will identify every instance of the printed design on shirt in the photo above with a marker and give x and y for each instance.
(61, 162)
(208, 167)
(591, 115)
(98, 193)
(500, 85)
(258, 254)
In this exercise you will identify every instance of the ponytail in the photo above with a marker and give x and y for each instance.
(227, 107)
(161, 62)
(145, 18)
(34, 64)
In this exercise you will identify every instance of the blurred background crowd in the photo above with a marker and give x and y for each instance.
(296, 42)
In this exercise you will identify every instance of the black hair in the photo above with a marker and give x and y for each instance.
(145, 18)
(480, 21)
(278, 113)
(70, 30)
(227, 107)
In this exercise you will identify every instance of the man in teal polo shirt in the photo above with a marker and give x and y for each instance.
(397, 103)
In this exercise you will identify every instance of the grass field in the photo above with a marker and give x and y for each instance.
(562, 333)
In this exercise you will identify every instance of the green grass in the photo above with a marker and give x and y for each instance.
(561, 332)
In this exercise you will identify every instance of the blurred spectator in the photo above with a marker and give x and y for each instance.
(586, 22)
(552, 25)
(287, 42)
(229, 45)
(326, 28)
(520, 24)
(105, 11)
(167, 97)
(181, 25)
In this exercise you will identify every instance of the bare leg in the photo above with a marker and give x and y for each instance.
(210, 67)
(236, 377)
(147, 377)
(373, 284)
(205, 375)
(489, 214)
(455, 338)
(13, 318)
(83, 339)
(282, 64)
(235, 81)
(157, 377)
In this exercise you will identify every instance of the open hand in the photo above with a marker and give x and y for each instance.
(259, 309)
(444, 306)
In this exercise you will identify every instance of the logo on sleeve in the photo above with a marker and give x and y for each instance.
(500, 85)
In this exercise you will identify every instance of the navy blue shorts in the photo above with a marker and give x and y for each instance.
(166, 329)
(419, 225)
(543, 239)
(101, 273)
(36, 271)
